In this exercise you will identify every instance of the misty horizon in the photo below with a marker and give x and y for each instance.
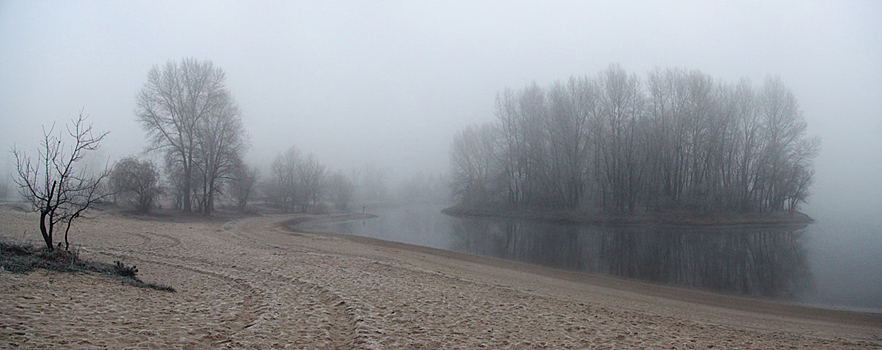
(391, 84)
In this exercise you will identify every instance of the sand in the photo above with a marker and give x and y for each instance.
(248, 283)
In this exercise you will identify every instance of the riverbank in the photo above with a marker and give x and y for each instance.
(250, 283)
(673, 218)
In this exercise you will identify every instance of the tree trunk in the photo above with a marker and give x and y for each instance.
(47, 235)
(187, 186)
(47, 210)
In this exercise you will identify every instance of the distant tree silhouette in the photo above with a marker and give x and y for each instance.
(296, 182)
(676, 140)
(242, 184)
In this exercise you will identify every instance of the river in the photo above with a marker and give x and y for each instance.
(829, 264)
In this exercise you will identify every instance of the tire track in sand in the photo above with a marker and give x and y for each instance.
(316, 314)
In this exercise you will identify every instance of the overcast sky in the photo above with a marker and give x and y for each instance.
(391, 82)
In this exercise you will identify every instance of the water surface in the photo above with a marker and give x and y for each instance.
(824, 264)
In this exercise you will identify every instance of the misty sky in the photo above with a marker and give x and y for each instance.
(391, 82)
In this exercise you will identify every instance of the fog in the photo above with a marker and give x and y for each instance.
(390, 83)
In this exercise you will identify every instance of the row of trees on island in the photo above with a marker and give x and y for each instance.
(677, 139)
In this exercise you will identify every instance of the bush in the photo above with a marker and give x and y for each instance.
(124, 271)
(137, 182)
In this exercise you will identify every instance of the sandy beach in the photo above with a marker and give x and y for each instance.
(249, 283)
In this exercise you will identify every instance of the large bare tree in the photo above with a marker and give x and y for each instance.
(220, 144)
(190, 115)
(55, 183)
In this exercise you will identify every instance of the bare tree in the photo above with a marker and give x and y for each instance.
(787, 153)
(281, 187)
(311, 183)
(190, 115)
(220, 143)
(296, 181)
(521, 119)
(621, 162)
(55, 184)
(340, 190)
(242, 184)
(136, 181)
(572, 106)
(680, 141)
(474, 165)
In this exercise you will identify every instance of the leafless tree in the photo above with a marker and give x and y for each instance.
(220, 143)
(572, 107)
(190, 115)
(690, 134)
(511, 141)
(54, 183)
(522, 120)
(474, 165)
(242, 184)
(135, 181)
(621, 163)
(297, 182)
(312, 177)
(340, 190)
(282, 185)
(679, 141)
(787, 153)
(746, 146)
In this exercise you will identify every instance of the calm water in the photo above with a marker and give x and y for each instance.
(825, 264)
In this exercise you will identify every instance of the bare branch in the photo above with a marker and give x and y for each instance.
(57, 188)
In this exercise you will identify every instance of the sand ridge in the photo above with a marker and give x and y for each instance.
(249, 283)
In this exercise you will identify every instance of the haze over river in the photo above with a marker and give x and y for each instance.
(830, 263)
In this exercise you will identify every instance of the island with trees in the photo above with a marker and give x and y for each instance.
(676, 147)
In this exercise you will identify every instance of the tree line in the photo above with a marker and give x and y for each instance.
(674, 140)
(194, 123)
(195, 127)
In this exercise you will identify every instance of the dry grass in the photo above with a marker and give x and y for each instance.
(24, 258)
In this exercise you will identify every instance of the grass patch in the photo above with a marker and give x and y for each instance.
(24, 258)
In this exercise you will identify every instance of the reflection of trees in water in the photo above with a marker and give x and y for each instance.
(413, 221)
(770, 262)
(515, 240)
